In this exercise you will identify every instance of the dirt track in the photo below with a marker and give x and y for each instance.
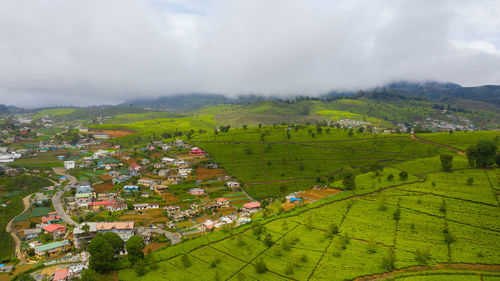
(459, 151)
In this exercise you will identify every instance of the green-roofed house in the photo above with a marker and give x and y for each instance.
(52, 249)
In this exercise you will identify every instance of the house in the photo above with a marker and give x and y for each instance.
(116, 207)
(52, 249)
(96, 206)
(172, 210)
(107, 196)
(129, 188)
(124, 229)
(146, 182)
(31, 233)
(83, 199)
(224, 178)
(173, 178)
(167, 160)
(196, 151)
(61, 274)
(144, 233)
(41, 199)
(81, 236)
(69, 165)
(100, 136)
(196, 191)
(135, 167)
(232, 184)
(56, 230)
(146, 206)
(51, 219)
(160, 188)
(145, 194)
(223, 201)
(120, 179)
(251, 207)
(85, 188)
(6, 268)
(163, 172)
(181, 163)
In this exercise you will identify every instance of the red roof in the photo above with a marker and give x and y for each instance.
(54, 227)
(102, 203)
(51, 218)
(61, 274)
(252, 205)
(222, 199)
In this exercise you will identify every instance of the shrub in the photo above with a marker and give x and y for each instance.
(397, 214)
(422, 255)
(388, 260)
(403, 175)
(260, 266)
(390, 177)
(470, 181)
(186, 261)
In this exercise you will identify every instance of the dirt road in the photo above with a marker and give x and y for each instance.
(8, 228)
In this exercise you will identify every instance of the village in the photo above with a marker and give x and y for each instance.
(162, 192)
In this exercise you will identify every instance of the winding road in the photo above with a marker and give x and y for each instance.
(8, 228)
(56, 199)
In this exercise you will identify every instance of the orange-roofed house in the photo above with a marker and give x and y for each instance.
(124, 229)
(51, 219)
(56, 230)
(223, 201)
(252, 206)
(61, 275)
(96, 206)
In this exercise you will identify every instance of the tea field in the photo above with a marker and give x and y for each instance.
(431, 226)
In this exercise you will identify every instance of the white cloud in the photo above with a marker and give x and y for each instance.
(94, 51)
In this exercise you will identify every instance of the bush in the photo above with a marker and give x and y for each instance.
(260, 266)
(388, 260)
(422, 255)
(403, 175)
(390, 177)
(140, 269)
(397, 214)
(470, 181)
(186, 261)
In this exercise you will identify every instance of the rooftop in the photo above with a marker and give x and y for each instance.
(53, 245)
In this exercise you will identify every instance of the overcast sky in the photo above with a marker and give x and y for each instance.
(64, 52)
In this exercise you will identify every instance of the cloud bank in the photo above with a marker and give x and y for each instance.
(62, 52)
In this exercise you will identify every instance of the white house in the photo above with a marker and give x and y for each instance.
(233, 184)
(69, 165)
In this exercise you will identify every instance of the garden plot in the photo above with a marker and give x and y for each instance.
(300, 261)
(353, 261)
(454, 185)
(474, 245)
(477, 214)
(418, 231)
(366, 221)
(243, 246)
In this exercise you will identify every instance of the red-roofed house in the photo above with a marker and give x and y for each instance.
(61, 275)
(223, 201)
(56, 230)
(51, 219)
(135, 167)
(101, 204)
(252, 206)
(196, 151)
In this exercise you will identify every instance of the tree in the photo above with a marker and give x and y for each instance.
(483, 154)
(350, 133)
(134, 245)
(115, 240)
(186, 262)
(497, 159)
(283, 190)
(388, 260)
(349, 178)
(102, 255)
(446, 161)
(470, 181)
(260, 266)
(403, 175)
(397, 214)
(390, 177)
(377, 169)
(89, 275)
(140, 268)
(268, 240)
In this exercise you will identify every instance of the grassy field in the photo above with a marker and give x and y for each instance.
(441, 221)
(266, 159)
(462, 140)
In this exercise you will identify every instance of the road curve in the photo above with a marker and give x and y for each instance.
(8, 228)
(56, 199)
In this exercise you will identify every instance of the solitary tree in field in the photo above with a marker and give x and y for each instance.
(446, 161)
(349, 179)
(403, 175)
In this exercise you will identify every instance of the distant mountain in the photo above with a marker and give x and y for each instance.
(435, 90)
(4, 109)
(190, 101)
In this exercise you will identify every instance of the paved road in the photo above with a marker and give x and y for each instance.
(175, 238)
(8, 228)
(56, 199)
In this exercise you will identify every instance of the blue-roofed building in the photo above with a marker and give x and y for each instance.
(129, 188)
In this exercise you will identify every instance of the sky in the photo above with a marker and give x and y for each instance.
(73, 52)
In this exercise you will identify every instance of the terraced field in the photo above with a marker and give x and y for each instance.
(269, 158)
(432, 226)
